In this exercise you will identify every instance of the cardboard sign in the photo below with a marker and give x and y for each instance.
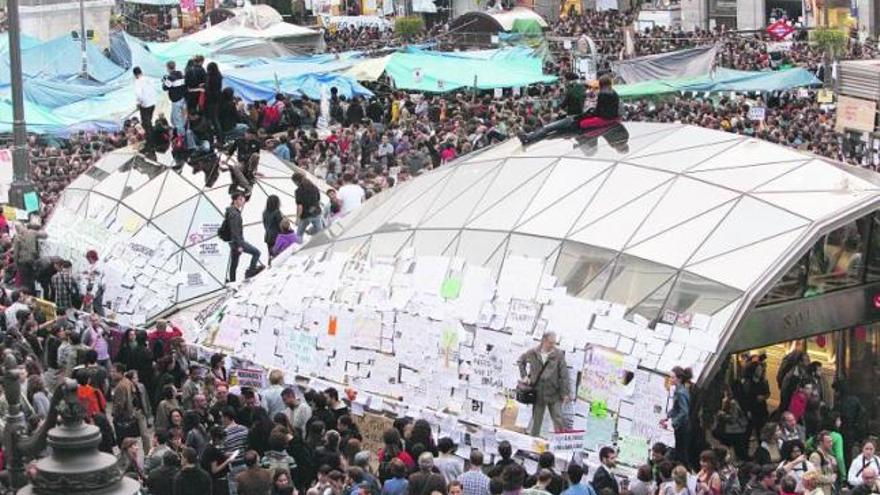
(250, 377)
(568, 441)
(855, 114)
(825, 96)
(757, 113)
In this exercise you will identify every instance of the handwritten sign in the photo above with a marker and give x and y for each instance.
(757, 113)
(855, 114)
(632, 451)
(303, 349)
(569, 441)
(488, 369)
(372, 427)
(602, 377)
(250, 377)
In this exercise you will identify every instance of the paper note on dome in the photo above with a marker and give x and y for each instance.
(599, 432)
(632, 450)
(451, 288)
(229, 332)
(520, 276)
(131, 224)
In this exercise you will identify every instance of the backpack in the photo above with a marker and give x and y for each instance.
(223, 232)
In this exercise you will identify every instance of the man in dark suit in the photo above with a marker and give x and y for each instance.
(544, 368)
(604, 478)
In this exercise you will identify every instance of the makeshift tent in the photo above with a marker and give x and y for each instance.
(477, 21)
(250, 48)
(681, 63)
(260, 22)
(128, 51)
(155, 229)
(723, 80)
(529, 27)
(61, 58)
(370, 69)
(308, 85)
(439, 72)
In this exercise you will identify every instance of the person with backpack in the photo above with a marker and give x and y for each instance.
(823, 459)
(232, 231)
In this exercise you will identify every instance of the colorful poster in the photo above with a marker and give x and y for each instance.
(602, 379)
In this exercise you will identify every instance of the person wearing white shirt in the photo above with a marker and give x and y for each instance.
(11, 312)
(863, 461)
(350, 194)
(145, 95)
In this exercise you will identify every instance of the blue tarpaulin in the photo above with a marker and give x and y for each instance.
(61, 58)
(308, 85)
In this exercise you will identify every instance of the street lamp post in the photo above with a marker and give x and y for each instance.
(21, 169)
(84, 73)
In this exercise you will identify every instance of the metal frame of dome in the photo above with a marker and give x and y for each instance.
(126, 198)
(689, 213)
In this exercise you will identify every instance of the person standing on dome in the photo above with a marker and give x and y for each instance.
(544, 369)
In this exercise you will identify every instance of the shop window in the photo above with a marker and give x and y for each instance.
(790, 286)
(836, 260)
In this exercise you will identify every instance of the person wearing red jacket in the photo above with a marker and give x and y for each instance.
(160, 338)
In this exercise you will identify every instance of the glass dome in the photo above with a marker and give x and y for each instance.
(654, 216)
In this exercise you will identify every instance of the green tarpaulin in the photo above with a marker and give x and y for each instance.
(723, 80)
(527, 26)
(438, 73)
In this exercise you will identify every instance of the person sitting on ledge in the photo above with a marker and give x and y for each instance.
(605, 114)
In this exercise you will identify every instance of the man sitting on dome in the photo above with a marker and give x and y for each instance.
(606, 114)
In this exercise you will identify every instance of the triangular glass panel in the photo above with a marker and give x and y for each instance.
(641, 136)
(99, 206)
(566, 177)
(683, 159)
(743, 267)
(686, 137)
(175, 223)
(477, 246)
(520, 181)
(531, 246)
(635, 278)
(649, 307)
(813, 204)
(578, 264)
(626, 183)
(174, 191)
(113, 186)
(73, 199)
(432, 242)
(252, 213)
(389, 243)
(144, 199)
(199, 281)
(750, 152)
(557, 220)
(205, 221)
(750, 221)
(616, 229)
(818, 175)
(686, 199)
(675, 246)
(744, 178)
(466, 187)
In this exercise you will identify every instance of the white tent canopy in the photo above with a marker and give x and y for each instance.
(257, 21)
(155, 229)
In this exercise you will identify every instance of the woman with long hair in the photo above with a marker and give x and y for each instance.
(421, 434)
(128, 453)
(393, 449)
(213, 96)
(272, 222)
(708, 479)
(679, 415)
(38, 396)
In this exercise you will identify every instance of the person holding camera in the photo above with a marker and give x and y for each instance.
(544, 370)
